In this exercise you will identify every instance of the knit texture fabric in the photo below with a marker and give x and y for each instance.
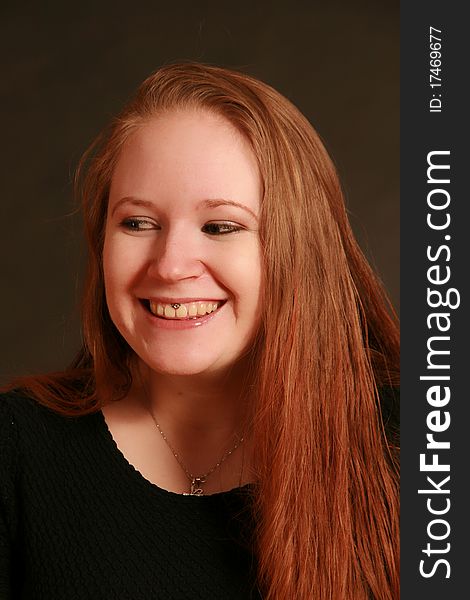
(77, 521)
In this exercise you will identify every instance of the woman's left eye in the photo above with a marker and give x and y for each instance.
(221, 228)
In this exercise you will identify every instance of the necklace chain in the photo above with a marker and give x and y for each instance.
(196, 481)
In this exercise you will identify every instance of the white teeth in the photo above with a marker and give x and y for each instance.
(182, 311)
(156, 309)
(169, 311)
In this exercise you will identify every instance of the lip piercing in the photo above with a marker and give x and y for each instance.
(176, 305)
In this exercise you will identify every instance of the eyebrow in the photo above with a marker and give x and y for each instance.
(221, 202)
(134, 202)
(205, 203)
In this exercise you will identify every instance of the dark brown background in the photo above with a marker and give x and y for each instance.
(68, 67)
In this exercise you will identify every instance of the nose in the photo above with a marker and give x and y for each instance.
(176, 255)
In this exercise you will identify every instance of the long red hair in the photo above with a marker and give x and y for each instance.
(327, 502)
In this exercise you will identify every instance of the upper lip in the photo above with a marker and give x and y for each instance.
(166, 300)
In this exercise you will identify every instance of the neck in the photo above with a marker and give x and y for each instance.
(211, 405)
(202, 419)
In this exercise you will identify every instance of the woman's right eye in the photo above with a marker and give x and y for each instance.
(138, 224)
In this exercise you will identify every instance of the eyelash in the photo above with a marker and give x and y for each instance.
(229, 228)
(129, 224)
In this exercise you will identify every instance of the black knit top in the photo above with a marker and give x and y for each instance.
(77, 521)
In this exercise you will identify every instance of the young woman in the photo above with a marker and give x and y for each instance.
(236, 347)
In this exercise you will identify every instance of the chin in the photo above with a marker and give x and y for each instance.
(183, 367)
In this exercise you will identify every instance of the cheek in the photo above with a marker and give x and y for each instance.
(110, 270)
(241, 273)
(249, 271)
(119, 263)
(116, 276)
(109, 251)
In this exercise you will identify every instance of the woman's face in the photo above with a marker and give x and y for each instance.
(182, 260)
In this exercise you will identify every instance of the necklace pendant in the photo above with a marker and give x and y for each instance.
(196, 486)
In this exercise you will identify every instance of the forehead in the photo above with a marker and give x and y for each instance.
(191, 154)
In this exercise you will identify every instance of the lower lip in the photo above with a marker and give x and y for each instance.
(181, 323)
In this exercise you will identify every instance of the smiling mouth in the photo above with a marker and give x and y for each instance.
(182, 310)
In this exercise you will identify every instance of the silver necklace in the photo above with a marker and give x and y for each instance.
(196, 481)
